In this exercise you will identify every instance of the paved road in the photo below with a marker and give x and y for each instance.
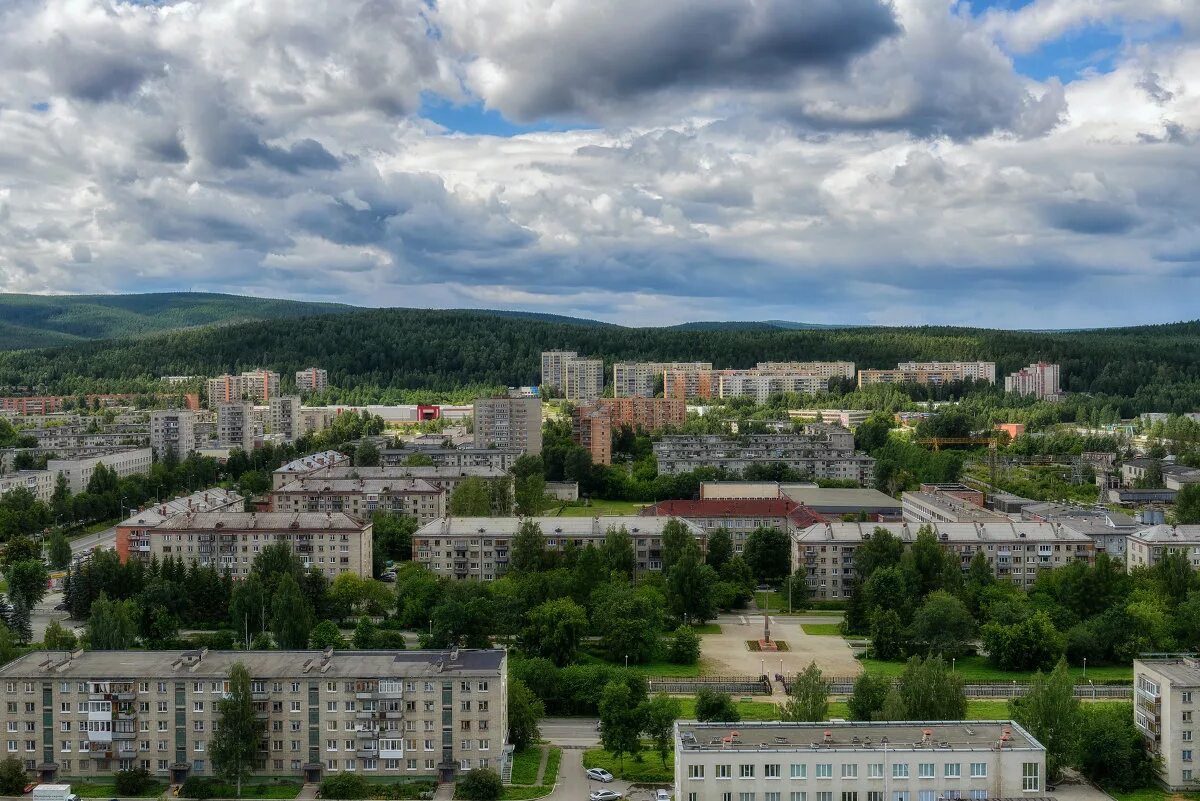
(105, 539)
(571, 732)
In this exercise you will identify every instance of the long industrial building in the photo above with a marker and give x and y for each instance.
(394, 714)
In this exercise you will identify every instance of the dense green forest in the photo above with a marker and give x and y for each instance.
(36, 321)
(1148, 368)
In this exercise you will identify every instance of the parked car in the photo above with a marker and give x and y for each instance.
(599, 774)
(60, 607)
(605, 795)
(662, 795)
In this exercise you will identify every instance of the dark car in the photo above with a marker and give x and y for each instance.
(60, 607)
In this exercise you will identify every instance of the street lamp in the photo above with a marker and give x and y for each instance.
(1093, 689)
(762, 667)
(1085, 667)
(626, 660)
(953, 662)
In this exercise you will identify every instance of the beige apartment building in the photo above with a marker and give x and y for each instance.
(1166, 703)
(39, 482)
(124, 462)
(254, 385)
(910, 761)
(361, 497)
(445, 477)
(286, 421)
(173, 431)
(88, 714)
(509, 423)
(312, 379)
(818, 451)
(640, 379)
(942, 507)
(552, 367)
(1016, 552)
(930, 373)
(760, 382)
(478, 547)
(583, 379)
(1147, 546)
(331, 543)
(235, 425)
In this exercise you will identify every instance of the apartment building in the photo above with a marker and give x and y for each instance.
(591, 429)
(285, 417)
(331, 543)
(312, 379)
(497, 458)
(846, 418)
(173, 431)
(255, 385)
(930, 373)
(641, 379)
(39, 482)
(552, 367)
(444, 478)
(135, 527)
(740, 518)
(478, 547)
(235, 425)
(307, 466)
(941, 507)
(646, 414)
(509, 423)
(826, 370)
(760, 382)
(819, 451)
(1166, 692)
(1016, 552)
(1040, 379)
(360, 497)
(88, 714)
(583, 379)
(1146, 547)
(124, 462)
(761, 385)
(1108, 529)
(32, 405)
(910, 761)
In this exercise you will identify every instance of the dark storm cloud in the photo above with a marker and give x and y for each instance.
(1090, 217)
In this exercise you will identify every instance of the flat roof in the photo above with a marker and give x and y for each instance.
(816, 497)
(363, 485)
(216, 664)
(263, 521)
(999, 532)
(550, 526)
(853, 736)
(1181, 671)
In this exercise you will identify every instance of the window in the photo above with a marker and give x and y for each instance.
(745, 796)
(874, 795)
(1187, 735)
(849, 795)
(824, 771)
(849, 770)
(199, 746)
(900, 795)
(925, 770)
(1031, 776)
(1187, 717)
(746, 771)
(1187, 775)
(771, 771)
(695, 771)
(1187, 697)
(693, 797)
(925, 795)
(875, 770)
(953, 770)
(799, 771)
(798, 796)
(979, 795)
(900, 771)
(825, 796)
(1187, 755)
(724, 771)
(978, 770)
(770, 796)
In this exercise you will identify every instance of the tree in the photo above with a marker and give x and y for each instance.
(809, 696)
(942, 626)
(1050, 712)
(529, 493)
(524, 711)
(365, 634)
(720, 548)
(620, 721)
(1029, 644)
(870, 692)
(27, 581)
(888, 639)
(930, 691)
(768, 552)
(685, 646)
(661, 713)
(527, 553)
(234, 745)
(628, 620)
(795, 591)
(881, 548)
(691, 586)
(893, 706)
(58, 550)
(326, 635)
(366, 454)
(1111, 751)
(58, 638)
(470, 499)
(617, 551)
(1187, 505)
(677, 539)
(12, 777)
(110, 627)
(716, 706)
(553, 630)
(248, 607)
(392, 538)
(345, 785)
(873, 432)
(463, 617)
(479, 784)
(291, 615)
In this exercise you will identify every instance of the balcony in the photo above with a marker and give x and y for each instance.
(366, 733)
(364, 695)
(124, 735)
(368, 715)
(260, 695)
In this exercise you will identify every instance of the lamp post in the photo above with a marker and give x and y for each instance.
(953, 662)
(626, 660)
(1093, 689)
(762, 667)
(1085, 667)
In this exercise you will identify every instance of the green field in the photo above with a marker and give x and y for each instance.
(649, 769)
(749, 710)
(512, 793)
(648, 669)
(823, 629)
(707, 628)
(775, 602)
(977, 667)
(525, 765)
(109, 790)
(552, 763)
(598, 507)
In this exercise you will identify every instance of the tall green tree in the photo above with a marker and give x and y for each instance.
(1187, 505)
(930, 690)
(111, 626)
(1050, 712)
(660, 715)
(617, 551)
(720, 548)
(470, 498)
(235, 743)
(527, 553)
(768, 552)
(942, 625)
(809, 696)
(677, 539)
(691, 587)
(524, 711)
(621, 721)
(366, 454)
(553, 630)
(870, 691)
(291, 615)
(58, 551)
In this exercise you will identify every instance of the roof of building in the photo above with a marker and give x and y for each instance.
(399, 471)
(569, 526)
(722, 507)
(1081, 518)
(1141, 461)
(264, 521)
(216, 664)
(359, 485)
(1166, 535)
(1181, 671)
(200, 501)
(858, 736)
(316, 461)
(838, 498)
(1007, 531)
(952, 505)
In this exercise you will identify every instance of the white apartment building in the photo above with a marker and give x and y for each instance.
(762, 384)
(1016, 552)
(1166, 695)
(285, 417)
(553, 362)
(640, 379)
(940, 507)
(930, 373)
(306, 466)
(444, 478)
(312, 379)
(173, 431)
(124, 462)
(873, 761)
(583, 379)
(826, 370)
(1146, 547)
(39, 482)
(1040, 379)
(235, 425)
(499, 458)
(332, 543)
(88, 714)
(509, 423)
(478, 547)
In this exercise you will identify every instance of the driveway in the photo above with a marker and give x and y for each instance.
(726, 654)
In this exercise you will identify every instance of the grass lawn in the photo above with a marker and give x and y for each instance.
(512, 793)
(976, 710)
(650, 769)
(977, 667)
(823, 629)
(1152, 794)
(552, 763)
(599, 507)
(525, 765)
(749, 710)
(775, 602)
(89, 790)
(648, 669)
(707, 628)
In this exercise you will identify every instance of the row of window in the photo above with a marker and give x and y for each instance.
(824, 770)
(949, 794)
(222, 687)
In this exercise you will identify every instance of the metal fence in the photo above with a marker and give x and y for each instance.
(744, 685)
(844, 685)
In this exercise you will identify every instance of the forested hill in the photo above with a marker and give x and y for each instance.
(445, 350)
(37, 321)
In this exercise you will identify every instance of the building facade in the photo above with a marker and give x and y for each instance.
(88, 714)
(235, 425)
(254, 385)
(286, 422)
(173, 431)
(1146, 547)
(930, 373)
(361, 498)
(553, 362)
(583, 379)
(943, 507)
(312, 379)
(39, 482)
(641, 379)
(1166, 693)
(444, 478)
(478, 547)
(591, 429)
(1040, 379)
(911, 761)
(124, 462)
(497, 458)
(819, 451)
(509, 423)
(738, 517)
(138, 524)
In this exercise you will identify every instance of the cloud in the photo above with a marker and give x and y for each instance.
(1034, 24)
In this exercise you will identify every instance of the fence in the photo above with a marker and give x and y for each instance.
(743, 685)
(844, 685)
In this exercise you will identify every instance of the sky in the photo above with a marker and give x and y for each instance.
(1006, 163)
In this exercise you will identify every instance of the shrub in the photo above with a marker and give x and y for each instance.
(388, 641)
(344, 785)
(199, 787)
(12, 777)
(132, 782)
(685, 647)
(479, 784)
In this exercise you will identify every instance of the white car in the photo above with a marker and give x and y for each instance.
(662, 795)
(605, 795)
(599, 774)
